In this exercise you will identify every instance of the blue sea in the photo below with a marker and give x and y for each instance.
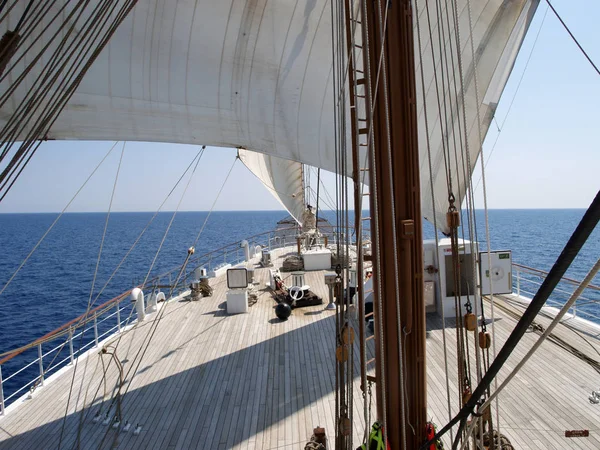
(53, 287)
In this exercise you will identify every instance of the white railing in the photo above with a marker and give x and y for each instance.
(527, 280)
(78, 330)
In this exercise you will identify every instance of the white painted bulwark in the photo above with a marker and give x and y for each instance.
(237, 301)
(318, 259)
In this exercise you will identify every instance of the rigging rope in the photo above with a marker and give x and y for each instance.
(573, 37)
(89, 306)
(57, 219)
(435, 224)
(578, 238)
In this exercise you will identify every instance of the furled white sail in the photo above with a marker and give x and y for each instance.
(281, 177)
(257, 75)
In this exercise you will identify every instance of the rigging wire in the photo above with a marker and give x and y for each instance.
(576, 241)
(573, 37)
(501, 127)
(57, 219)
(435, 224)
(138, 357)
(89, 306)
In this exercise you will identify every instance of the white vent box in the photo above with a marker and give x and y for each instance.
(496, 279)
(237, 278)
(318, 259)
(237, 301)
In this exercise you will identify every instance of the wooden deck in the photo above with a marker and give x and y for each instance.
(250, 381)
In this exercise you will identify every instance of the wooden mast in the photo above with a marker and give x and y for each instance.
(394, 182)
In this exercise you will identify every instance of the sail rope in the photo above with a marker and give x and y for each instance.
(152, 331)
(433, 202)
(39, 242)
(573, 37)
(581, 234)
(138, 357)
(485, 206)
(510, 105)
(89, 303)
(50, 91)
(115, 271)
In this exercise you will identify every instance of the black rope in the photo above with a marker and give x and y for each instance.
(573, 37)
(578, 238)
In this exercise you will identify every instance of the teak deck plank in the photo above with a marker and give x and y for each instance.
(250, 381)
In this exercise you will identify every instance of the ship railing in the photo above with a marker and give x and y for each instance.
(527, 280)
(85, 332)
(36, 363)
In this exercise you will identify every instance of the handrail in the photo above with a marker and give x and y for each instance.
(519, 279)
(85, 318)
(229, 253)
(544, 273)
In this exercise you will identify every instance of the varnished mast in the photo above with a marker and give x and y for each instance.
(395, 182)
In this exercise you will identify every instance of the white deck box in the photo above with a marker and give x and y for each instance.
(237, 301)
(318, 259)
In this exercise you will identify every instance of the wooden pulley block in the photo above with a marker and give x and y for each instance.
(453, 219)
(486, 415)
(348, 335)
(485, 339)
(466, 396)
(345, 426)
(470, 322)
(341, 353)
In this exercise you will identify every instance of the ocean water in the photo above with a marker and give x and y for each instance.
(54, 285)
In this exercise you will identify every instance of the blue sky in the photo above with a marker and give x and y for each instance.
(547, 154)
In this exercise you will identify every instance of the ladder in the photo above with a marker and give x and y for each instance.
(361, 163)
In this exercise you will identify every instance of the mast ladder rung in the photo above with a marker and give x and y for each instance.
(367, 257)
(372, 360)
(371, 378)
(358, 46)
(365, 194)
(370, 338)
(371, 314)
(364, 144)
(367, 291)
(365, 218)
(360, 81)
(364, 169)
(363, 130)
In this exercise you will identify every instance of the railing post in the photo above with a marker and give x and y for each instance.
(95, 329)
(71, 344)
(41, 364)
(1, 394)
(119, 316)
(518, 282)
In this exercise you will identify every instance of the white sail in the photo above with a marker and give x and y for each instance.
(256, 75)
(281, 177)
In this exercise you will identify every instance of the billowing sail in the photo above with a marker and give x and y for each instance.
(281, 177)
(251, 74)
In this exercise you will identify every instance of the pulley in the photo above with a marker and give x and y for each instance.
(347, 335)
(341, 353)
(485, 339)
(470, 322)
